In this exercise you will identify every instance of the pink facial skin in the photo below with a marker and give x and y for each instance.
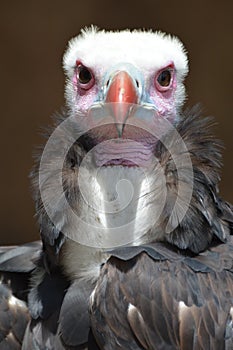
(163, 97)
(85, 93)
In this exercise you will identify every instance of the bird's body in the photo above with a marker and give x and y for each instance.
(126, 190)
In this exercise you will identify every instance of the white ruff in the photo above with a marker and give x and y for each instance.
(117, 205)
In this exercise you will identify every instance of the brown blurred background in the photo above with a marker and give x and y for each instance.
(33, 37)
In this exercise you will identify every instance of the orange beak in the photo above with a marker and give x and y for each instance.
(122, 94)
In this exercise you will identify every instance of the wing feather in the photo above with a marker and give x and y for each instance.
(167, 303)
(14, 317)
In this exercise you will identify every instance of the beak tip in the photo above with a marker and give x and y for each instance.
(120, 128)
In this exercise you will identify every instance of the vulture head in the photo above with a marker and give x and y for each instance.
(137, 67)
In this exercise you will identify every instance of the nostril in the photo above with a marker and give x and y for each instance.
(107, 84)
(137, 83)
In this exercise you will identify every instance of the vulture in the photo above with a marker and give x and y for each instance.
(136, 249)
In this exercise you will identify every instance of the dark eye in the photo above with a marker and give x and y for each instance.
(84, 75)
(164, 78)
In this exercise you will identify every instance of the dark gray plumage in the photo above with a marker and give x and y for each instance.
(14, 317)
(17, 264)
(182, 301)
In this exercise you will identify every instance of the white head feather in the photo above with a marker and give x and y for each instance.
(146, 50)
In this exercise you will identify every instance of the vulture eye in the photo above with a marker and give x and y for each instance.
(164, 79)
(84, 77)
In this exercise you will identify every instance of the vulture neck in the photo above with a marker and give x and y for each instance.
(117, 205)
